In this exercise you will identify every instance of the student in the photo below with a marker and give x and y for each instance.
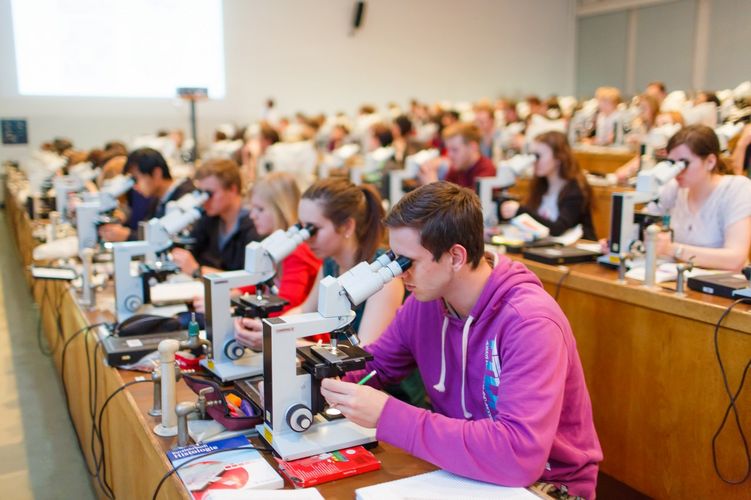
(349, 230)
(466, 162)
(497, 354)
(710, 213)
(221, 234)
(273, 206)
(154, 182)
(608, 121)
(559, 196)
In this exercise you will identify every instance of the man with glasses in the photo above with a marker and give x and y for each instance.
(225, 229)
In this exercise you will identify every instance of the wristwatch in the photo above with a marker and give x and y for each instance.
(197, 273)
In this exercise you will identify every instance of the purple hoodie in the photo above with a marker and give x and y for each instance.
(510, 403)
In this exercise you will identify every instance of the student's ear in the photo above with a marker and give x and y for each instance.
(710, 162)
(347, 229)
(458, 255)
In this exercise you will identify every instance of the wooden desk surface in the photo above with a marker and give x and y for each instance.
(602, 160)
(656, 389)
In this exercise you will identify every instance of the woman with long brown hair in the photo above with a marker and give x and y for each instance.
(349, 229)
(710, 213)
(559, 196)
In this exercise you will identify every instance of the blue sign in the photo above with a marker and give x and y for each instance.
(14, 131)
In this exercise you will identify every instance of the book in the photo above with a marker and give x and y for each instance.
(234, 469)
(328, 466)
(306, 494)
(439, 485)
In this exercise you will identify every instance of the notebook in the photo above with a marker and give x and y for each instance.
(439, 485)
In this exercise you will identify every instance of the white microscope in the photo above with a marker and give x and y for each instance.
(93, 204)
(374, 163)
(508, 171)
(626, 224)
(133, 290)
(411, 170)
(295, 423)
(230, 360)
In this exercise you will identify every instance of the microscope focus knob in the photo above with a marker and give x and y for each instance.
(299, 417)
(132, 303)
(234, 350)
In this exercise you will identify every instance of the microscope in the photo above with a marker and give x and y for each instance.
(230, 360)
(626, 224)
(373, 166)
(89, 210)
(411, 170)
(133, 290)
(338, 158)
(508, 171)
(296, 423)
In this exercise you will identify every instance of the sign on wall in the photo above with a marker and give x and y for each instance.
(14, 131)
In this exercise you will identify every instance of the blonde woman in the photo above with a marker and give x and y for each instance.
(273, 205)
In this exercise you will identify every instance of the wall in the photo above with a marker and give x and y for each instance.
(688, 44)
(300, 52)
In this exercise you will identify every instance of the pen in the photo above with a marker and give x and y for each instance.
(366, 378)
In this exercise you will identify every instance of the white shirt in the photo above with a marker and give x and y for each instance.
(729, 202)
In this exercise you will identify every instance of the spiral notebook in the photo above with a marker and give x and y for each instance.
(439, 485)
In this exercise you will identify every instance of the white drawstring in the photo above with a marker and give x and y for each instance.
(465, 340)
(440, 386)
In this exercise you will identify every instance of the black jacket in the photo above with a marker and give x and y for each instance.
(572, 210)
(230, 258)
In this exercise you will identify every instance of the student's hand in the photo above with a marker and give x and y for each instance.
(184, 260)
(199, 305)
(604, 245)
(509, 209)
(429, 170)
(113, 232)
(361, 404)
(249, 332)
(664, 244)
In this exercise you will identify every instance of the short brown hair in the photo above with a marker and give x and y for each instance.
(340, 200)
(444, 214)
(702, 141)
(226, 170)
(468, 132)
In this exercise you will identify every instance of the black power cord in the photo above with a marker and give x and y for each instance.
(560, 282)
(732, 402)
(101, 465)
(91, 469)
(203, 455)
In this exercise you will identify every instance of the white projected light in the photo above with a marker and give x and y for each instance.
(115, 48)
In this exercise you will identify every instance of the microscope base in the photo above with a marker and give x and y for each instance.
(161, 430)
(250, 365)
(609, 260)
(323, 437)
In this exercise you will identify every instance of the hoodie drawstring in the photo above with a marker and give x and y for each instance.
(465, 340)
(440, 386)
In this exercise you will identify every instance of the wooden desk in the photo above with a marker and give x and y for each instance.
(655, 384)
(602, 160)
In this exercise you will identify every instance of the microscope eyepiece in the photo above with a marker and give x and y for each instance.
(404, 262)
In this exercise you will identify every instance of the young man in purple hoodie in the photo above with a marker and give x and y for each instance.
(496, 353)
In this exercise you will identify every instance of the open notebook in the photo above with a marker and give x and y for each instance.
(439, 485)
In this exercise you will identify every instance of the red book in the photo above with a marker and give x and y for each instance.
(328, 466)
